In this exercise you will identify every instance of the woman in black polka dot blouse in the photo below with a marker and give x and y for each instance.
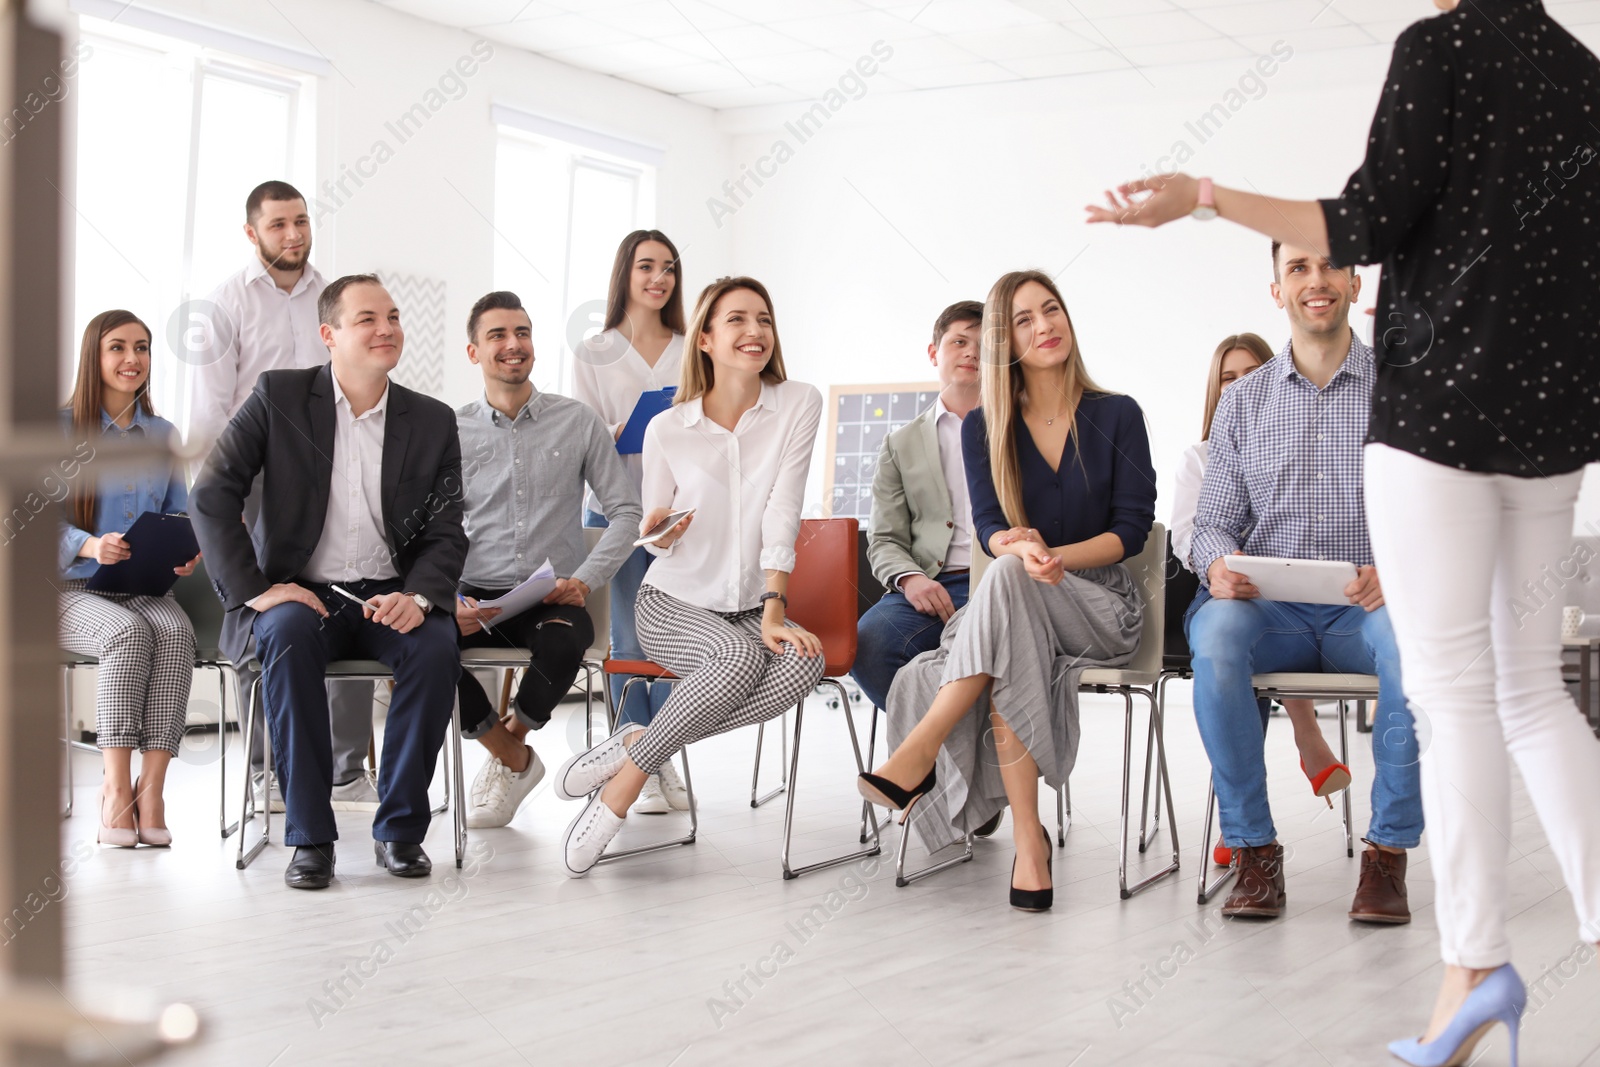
(1480, 196)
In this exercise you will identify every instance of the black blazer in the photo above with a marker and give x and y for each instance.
(284, 432)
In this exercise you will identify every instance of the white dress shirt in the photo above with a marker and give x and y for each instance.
(1185, 499)
(255, 327)
(352, 546)
(610, 375)
(747, 488)
(959, 554)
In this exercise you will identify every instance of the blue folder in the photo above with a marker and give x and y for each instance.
(157, 544)
(650, 405)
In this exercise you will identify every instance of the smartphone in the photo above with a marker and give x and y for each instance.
(654, 534)
(348, 595)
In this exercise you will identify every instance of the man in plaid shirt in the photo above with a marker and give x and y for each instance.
(1283, 478)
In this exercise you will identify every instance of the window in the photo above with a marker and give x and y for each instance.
(171, 138)
(560, 209)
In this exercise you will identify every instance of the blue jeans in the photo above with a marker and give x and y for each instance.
(295, 644)
(1233, 639)
(893, 633)
(643, 700)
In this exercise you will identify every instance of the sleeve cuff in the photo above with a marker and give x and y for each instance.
(778, 559)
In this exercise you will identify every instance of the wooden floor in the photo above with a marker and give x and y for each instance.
(704, 955)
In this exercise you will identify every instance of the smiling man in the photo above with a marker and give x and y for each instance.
(528, 456)
(362, 480)
(1283, 478)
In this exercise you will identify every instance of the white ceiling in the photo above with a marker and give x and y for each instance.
(740, 53)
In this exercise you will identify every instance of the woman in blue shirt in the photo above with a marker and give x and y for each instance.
(1062, 491)
(145, 644)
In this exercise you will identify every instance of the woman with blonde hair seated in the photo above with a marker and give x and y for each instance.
(1062, 492)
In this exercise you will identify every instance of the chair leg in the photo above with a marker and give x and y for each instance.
(66, 736)
(1145, 836)
(247, 812)
(757, 800)
(1344, 758)
(794, 780)
(1127, 793)
(688, 785)
(1205, 847)
(222, 752)
(444, 767)
(901, 878)
(458, 818)
(1063, 812)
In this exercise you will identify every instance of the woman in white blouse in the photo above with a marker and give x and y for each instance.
(735, 447)
(640, 351)
(1235, 357)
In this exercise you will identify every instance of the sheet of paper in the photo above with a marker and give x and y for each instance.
(540, 584)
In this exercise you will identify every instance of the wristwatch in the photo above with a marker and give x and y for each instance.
(1206, 209)
(421, 602)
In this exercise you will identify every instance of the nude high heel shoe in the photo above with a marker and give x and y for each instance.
(154, 836)
(115, 836)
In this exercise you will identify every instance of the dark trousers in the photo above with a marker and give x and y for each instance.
(892, 633)
(295, 645)
(557, 634)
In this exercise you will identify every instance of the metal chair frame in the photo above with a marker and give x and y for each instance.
(1290, 686)
(346, 671)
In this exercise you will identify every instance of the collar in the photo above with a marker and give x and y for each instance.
(694, 410)
(494, 416)
(1359, 362)
(257, 270)
(377, 409)
(141, 421)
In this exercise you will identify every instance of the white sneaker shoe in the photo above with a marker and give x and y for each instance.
(651, 800)
(359, 794)
(587, 837)
(588, 771)
(261, 795)
(499, 791)
(672, 787)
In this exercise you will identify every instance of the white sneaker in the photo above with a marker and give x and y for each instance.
(651, 801)
(358, 794)
(261, 797)
(499, 791)
(587, 837)
(588, 771)
(672, 787)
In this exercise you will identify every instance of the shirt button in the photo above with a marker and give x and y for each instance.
(519, 492)
(519, 462)
(938, 563)
(1319, 475)
(519, 522)
(519, 555)
(555, 453)
(949, 525)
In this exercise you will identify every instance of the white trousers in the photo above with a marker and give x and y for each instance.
(1474, 570)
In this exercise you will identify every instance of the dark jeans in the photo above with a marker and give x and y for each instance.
(557, 634)
(892, 633)
(295, 645)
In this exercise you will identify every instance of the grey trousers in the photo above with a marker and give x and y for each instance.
(1034, 641)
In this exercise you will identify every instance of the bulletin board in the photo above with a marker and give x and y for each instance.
(859, 418)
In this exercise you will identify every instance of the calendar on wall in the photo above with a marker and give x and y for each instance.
(860, 417)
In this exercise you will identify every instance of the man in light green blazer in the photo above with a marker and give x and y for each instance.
(920, 541)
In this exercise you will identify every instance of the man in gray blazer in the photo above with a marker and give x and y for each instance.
(920, 540)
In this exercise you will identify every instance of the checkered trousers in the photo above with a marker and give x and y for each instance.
(146, 649)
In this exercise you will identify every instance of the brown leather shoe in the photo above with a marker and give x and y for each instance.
(1258, 891)
(1381, 894)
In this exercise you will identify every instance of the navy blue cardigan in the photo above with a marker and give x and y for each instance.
(1112, 488)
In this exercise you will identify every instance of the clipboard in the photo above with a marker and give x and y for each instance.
(651, 403)
(158, 543)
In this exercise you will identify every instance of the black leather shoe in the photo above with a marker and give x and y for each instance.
(403, 859)
(988, 828)
(311, 868)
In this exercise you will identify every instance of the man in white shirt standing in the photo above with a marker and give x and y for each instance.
(265, 318)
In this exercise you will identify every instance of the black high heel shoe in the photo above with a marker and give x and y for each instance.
(1035, 899)
(885, 793)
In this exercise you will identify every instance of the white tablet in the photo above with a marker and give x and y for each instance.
(1298, 581)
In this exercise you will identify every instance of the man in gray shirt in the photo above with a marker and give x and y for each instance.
(525, 456)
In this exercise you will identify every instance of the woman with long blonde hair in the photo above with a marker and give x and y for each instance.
(1062, 492)
(735, 449)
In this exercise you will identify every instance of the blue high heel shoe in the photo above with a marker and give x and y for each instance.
(1499, 998)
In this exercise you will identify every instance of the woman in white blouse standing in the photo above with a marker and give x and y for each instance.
(735, 447)
(639, 351)
(1236, 356)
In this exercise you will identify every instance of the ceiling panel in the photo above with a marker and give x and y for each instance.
(743, 53)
